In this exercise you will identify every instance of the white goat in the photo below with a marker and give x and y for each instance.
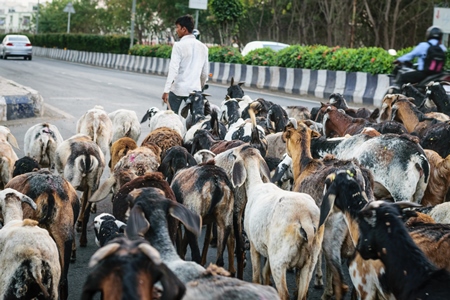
(28, 256)
(125, 123)
(40, 143)
(96, 124)
(282, 226)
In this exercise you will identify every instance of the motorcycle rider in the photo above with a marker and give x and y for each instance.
(434, 37)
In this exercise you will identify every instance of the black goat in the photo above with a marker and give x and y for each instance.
(436, 93)
(24, 165)
(176, 158)
(408, 273)
(235, 90)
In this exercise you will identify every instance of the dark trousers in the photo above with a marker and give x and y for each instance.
(410, 77)
(175, 102)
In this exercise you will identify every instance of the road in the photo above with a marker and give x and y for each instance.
(69, 90)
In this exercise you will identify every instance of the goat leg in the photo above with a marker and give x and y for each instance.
(206, 244)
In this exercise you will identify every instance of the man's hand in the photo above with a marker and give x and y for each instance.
(165, 97)
(396, 62)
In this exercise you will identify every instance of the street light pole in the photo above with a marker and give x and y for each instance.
(69, 9)
(133, 13)
(37, 19)
(68, 23)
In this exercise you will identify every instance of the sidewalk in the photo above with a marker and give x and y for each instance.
(18, 101)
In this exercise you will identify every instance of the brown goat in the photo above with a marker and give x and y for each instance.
(164, 138)
(340, 124)
(439, 182)
(58, 207)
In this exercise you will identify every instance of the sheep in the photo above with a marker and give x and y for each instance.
(24, 165)
(164, 138)
(96, 124)
(135, 163)
(40, 143)
(207, 190)
(125, 123)
(408, 273)
(119, 149)
(281, 225)
(149, 212)
(81, 162)
(125, 269)
(107, 228)
(28, 256)
(176, 159)
(58, 207)
(164, 118)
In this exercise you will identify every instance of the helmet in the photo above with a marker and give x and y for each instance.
(196, 33)
(434, 32)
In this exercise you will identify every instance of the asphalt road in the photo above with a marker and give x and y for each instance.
(69, 90)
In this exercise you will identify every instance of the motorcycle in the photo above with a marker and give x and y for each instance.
(405, 67)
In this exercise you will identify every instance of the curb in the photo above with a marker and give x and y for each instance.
(18, 101)
(356, 87)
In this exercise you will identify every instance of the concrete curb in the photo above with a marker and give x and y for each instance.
(357, 87)
(18, 101)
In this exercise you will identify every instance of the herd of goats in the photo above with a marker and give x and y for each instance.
(298, 187)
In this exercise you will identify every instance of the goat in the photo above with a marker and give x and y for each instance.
(40, 143)
(107, 228)
(96, 124)
(119, 149)
(176, 158)
(7, 155)
(148, 215)
(203, 156)
(300, 113)
(281, 225)
(125, 123)
(57, 210)
(276, 119)
(207, 190)
(165, 138)
(125, 269)
(439, 182)
(410, 91)
(203, 139)
(408, 273)
(436, 93)
(28, 256)
(437, 138)
(25, 165)
(81, 162)
(235, 90)
(164, 118)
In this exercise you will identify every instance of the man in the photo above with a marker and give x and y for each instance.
(189, 66)
(434, 37)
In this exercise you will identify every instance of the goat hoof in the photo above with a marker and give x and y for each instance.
(318, 286)
(93, 208)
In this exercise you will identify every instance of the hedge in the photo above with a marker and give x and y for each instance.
(316, 57)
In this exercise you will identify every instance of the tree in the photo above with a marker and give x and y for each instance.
(226, 14)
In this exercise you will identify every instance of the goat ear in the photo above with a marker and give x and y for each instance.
(173, 287)
(232, 81)
(103, 191)
(185, 110)
(137, 224)
(191, 220)
(329, 196)
(145, 117)
(102, 253)
(238, 173)
(12, 140)
(264, 170)
(315, 134)
(29, 201)
(151, 253)
(191, 160)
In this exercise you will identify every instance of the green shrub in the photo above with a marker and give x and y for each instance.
(261, 57)
(225, 55)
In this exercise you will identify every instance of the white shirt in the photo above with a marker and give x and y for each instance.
(188, 68)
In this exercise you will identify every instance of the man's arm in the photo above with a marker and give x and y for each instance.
(416, 52)
(174, 65)
(205, 70)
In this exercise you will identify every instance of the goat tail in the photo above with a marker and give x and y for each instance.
(36, 271)
(127, 129)
(307, 231)
(217, 193)
(96, 126)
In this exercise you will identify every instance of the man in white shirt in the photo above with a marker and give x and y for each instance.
(189, 65)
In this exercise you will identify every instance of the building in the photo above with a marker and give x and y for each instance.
(17, 16)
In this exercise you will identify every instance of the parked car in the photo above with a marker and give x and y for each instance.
(263, 44)
(16, 45)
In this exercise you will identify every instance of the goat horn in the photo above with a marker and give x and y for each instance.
(445, 83)
(151, 253)
(102, 253)
(407, 204)
(293, 121)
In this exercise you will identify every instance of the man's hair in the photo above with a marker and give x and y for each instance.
(186, 21)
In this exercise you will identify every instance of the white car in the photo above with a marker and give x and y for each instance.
(263, 44)
(16, 45)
